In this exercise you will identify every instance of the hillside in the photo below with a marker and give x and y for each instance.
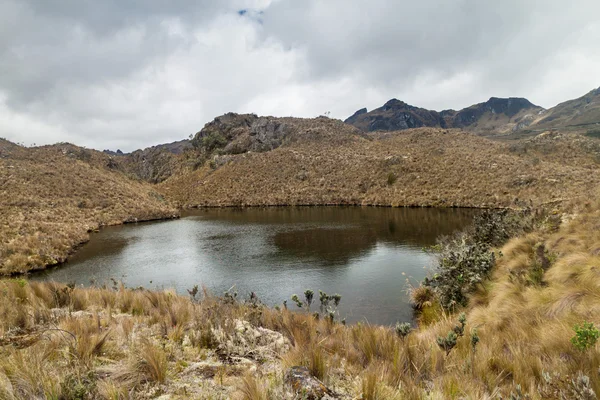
(52, 196)
(323, 161)
(583, 111)
(496, 116)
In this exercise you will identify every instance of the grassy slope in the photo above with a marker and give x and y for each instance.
(420, 167)
(584, 110)
(50, 197)
(148, 343)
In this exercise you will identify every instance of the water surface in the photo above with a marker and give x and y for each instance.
(364, 254)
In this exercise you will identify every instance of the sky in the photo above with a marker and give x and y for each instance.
(128, 74)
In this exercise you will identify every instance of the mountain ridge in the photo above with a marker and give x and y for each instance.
(496, 114)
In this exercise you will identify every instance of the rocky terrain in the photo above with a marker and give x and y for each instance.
(497, 116)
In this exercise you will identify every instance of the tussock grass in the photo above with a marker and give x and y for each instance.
(52, 196)
(250, 388)
(130, 341)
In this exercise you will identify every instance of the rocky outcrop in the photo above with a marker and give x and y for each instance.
(232, 133)
(307, 386)
(240, 133)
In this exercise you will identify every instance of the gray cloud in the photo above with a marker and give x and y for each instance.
(128, 74)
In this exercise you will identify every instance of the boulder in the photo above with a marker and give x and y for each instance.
(306, 385)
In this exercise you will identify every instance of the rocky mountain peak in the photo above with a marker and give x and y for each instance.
(509, 106)
(394, 104)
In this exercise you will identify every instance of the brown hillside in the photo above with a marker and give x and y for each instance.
(50, 197)
(326, 162)
(583, 111)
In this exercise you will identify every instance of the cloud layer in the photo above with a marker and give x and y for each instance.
(130, 74)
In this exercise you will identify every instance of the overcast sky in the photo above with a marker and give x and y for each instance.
(127, 74)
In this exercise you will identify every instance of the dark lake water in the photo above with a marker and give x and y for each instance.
(364, 254)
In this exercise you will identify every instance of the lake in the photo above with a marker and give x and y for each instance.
(365, 254)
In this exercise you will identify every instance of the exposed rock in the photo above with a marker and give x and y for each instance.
(251, 342)
(352, 119)
(306, 385)
(494, 113)
(240, 133)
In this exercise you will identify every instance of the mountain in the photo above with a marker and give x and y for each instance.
(498, 115)
(580, 112)
(395, 115)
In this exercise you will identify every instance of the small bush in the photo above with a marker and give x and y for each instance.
(403, 329)
(213, 141)
(586, 336)
(447, 343)
(391, 179)
(593, 133)
(462, 265)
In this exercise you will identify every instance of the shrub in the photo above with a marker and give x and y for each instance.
(391, 179)
(460, 328)
(494, 228)
(586, 336)
(474, 339)
(462, 265)
(593, 133)
(213, 141)
(403, 329)
(447, 343)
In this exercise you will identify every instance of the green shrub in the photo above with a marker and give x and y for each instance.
(494, 228)
(474, 339)
(213, 141)
(447, 343)
(403, 329)
(462, 265)
(586, 336)
(460, 328)
(391, 179)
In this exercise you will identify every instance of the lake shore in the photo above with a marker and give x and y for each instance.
(156, 343)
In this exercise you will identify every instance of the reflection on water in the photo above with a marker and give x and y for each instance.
(365, 254)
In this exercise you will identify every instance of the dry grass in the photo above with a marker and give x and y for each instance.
(52, 196)
(251, 389)
(429, 167)
(137, 340)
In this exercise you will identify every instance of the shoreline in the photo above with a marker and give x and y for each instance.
(77, 246)
(180, 210)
